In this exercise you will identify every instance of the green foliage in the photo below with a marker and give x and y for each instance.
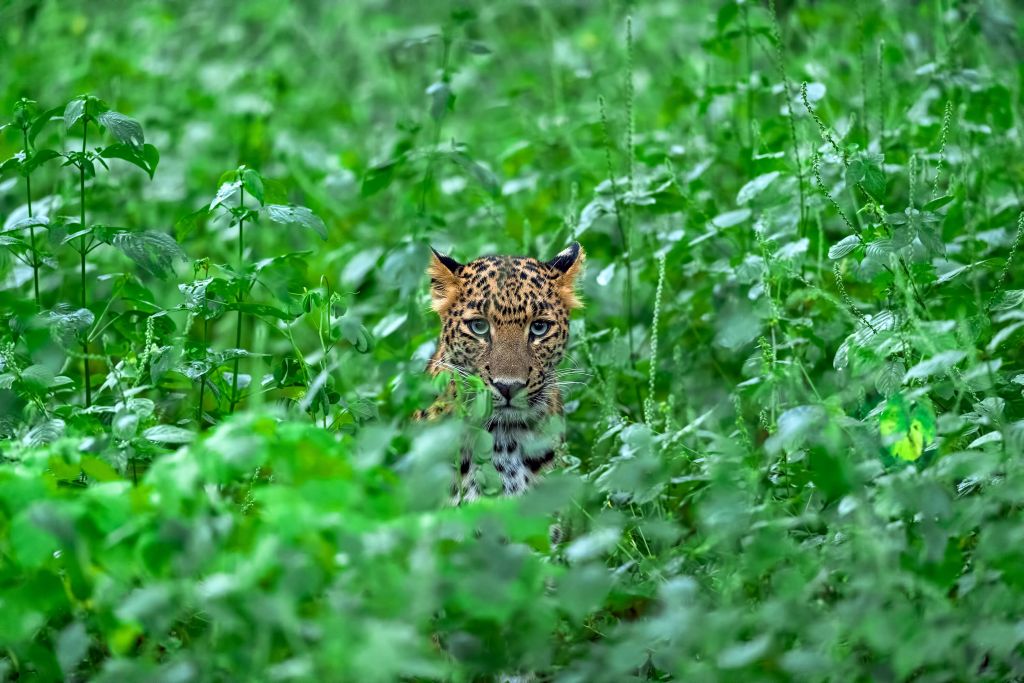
(794, 398)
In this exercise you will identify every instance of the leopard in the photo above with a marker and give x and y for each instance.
(505, 319)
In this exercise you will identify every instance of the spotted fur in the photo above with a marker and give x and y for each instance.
(523, 304)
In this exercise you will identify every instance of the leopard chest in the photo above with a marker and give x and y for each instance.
(520, 454)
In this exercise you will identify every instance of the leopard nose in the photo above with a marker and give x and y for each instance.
(509, 388)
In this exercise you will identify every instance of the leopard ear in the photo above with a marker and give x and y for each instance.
(570, 262)
(444, 280)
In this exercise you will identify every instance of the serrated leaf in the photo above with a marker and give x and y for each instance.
(67, 326)
(9, 241)
(844, 247)
(296, 215)
(890, 378)
(124, 128)
(168, 434)
(795, 426)
(755, 187)
(37, 378)
(855, 172)
(145, 157)
(906, 429)
(43, 433)
(1011, 298)
(154, 252)
(225, 192)
(74, 111)
(940, 362)
(874, 177)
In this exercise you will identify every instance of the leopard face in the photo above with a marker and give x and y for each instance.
(506, 319)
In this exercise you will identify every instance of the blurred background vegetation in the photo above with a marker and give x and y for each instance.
(793, 445)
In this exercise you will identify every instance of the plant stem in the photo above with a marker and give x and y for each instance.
(241, 295)
(202, 380)
(627, 238)
(428, 175)
(31, 226)
(620, 224)
(82, 253)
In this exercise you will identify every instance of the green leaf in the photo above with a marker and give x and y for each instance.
(874, 182)
(74, 112)
(98, 470)
(844, 247)
(755, 187)
(379, 177)
(795, 426)
(1011, 298)
(68, 326)
(296, 216)
(9, 241)
(259, 309)
(478, 48)
(252, 181)
(187, 224)
(145, 158)
(938, 203)
(855, 172)
(907, 429)
(441, 99)
(354, 332)
(37, 159)
(225, 192)
(168, 434)
(124, 128)
(37, 379)
(479, 172)
(41, 121)
(940, 362)
(154, 252)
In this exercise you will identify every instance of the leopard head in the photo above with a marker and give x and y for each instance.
(506, 319)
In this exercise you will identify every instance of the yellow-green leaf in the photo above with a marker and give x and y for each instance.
(907, 428)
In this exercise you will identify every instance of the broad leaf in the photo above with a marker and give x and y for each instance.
(296, 216)
(154, 252)
(124, 128)
(844, 247)
(907, 429)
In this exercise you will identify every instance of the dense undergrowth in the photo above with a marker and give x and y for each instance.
(795, 422)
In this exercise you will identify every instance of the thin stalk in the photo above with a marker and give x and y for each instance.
(83, 251)
(620, 224)
(865, 133)
(31, 226)
(631, 158)
(880, 66)
(241, 296)
(428, 175)
(750, 72)
(202, 380)
(787, 85)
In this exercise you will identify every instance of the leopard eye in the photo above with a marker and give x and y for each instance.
(538, 328)
(479, 327)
